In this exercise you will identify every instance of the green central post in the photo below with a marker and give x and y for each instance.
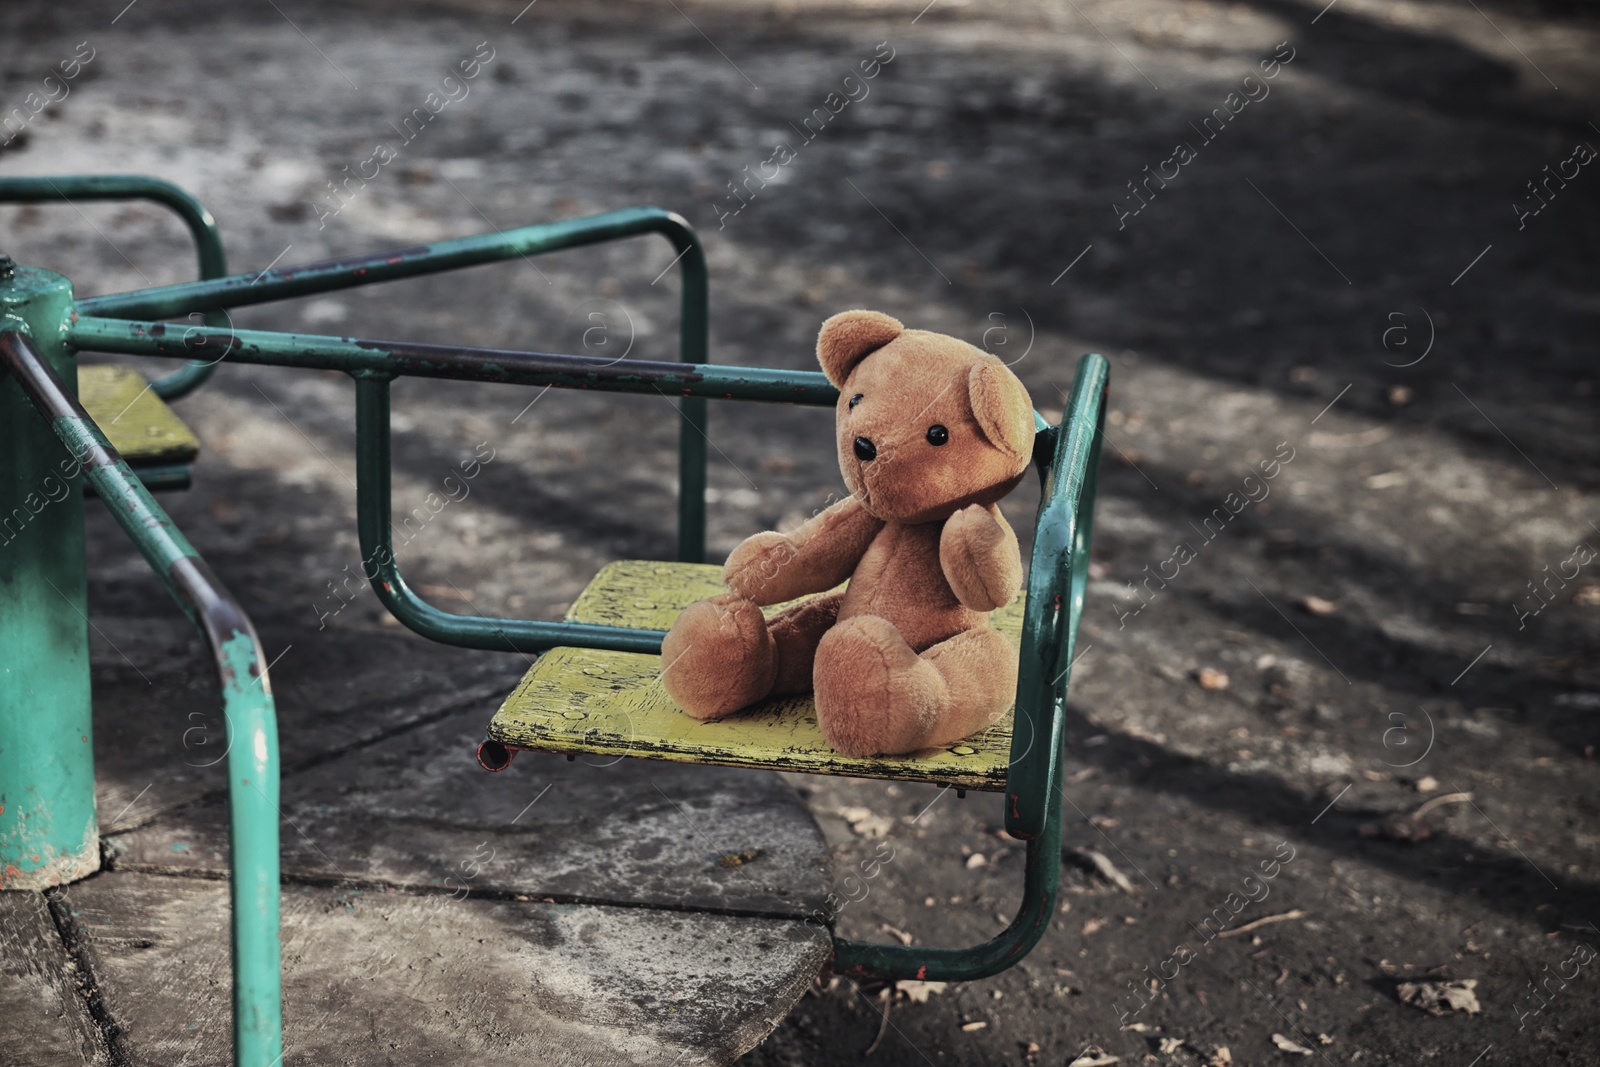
(48, 832)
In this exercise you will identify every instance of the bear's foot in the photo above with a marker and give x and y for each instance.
(876, 696)
(718, 657)
(979, 668)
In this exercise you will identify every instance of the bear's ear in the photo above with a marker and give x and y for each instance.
(851, 336)
(1002, 407)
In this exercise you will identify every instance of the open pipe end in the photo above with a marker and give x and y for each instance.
(493, 756)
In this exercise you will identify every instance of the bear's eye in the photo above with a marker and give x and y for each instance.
(938, 435)
(855, 400)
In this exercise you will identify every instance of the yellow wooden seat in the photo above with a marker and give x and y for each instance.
(580, 700)
(138, 423)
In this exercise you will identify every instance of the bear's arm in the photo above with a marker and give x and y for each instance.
(979, 556)
(771, 567)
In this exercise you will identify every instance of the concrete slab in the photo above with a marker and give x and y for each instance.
(416, 810)
(159, 735)
(393, 978)
(44, 1021)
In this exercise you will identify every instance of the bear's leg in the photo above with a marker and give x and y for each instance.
(875, 695)
(979, 668)
(796, 632)
(718, 657)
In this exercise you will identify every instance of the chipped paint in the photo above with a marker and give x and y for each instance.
(612, 703)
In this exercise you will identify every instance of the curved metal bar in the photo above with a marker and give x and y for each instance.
(246, 696)
(1033, 788)
(282, 283)
(202, 226)
(276, 283)
(375, 520)
(1057, 577)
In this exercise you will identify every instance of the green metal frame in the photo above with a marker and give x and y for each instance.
(252, 757)
(286, 282)
(202, 227)
(1067, 458)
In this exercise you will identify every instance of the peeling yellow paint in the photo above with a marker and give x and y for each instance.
(613, 703)
(134, 419)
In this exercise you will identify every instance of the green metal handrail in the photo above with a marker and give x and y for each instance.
(202, 227)
(279, 283)
(374, 363)
(246, 696)
(1056, 580)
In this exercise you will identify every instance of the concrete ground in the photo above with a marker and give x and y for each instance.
(1378, 684)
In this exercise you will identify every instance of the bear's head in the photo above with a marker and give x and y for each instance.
(927, 424)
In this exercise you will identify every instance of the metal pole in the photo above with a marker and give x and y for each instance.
(246, 694)
(693, 347)
(48, 833)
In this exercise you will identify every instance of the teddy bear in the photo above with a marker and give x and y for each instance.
(931, 433)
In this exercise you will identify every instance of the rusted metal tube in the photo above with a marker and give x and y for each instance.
(405, 358)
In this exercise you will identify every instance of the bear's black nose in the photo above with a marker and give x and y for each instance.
(866, 451)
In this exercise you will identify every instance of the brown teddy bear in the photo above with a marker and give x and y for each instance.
(931, 433)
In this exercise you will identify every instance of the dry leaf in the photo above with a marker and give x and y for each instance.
(1211, 678)
(899, 935)
(1094, 1057)
(1409, 826)
(1441, 998)
(1317, 606)
(864, 823)
(739, 859)
(1103, 866)
(1386, 480)
(1289, 1046)
(919, 992)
